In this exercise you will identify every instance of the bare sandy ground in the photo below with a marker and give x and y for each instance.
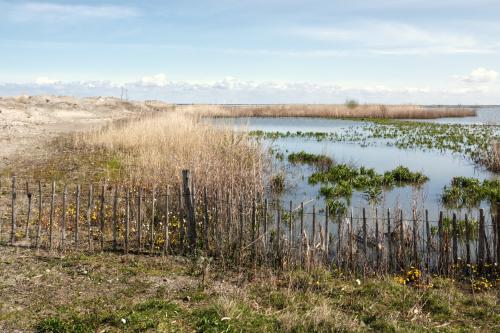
(27, 123)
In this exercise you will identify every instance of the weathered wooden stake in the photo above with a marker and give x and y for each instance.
(377, 240)
(480, 250)
(467, 239)
(415, 238)
(39, 222)
(139, 220)
(152, 224)
(389, 239)
(101, 216)
(240, 231)
(365, 234)
(205, 220)
(114, 218)
(77, 215)
(254, 224)
(52, 211)
(127, 221)
(264, 213)
(63, 219)
(166, 232)
(441, 243)
(189, 204)
(327, 235)
(455, 239)
(428, 243)
(402, 239)
(13, 215)
(89, 215)
(28, 218)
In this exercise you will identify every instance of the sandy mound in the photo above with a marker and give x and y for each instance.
(27, 122)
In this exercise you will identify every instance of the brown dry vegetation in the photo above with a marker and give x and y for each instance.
(328, 111)
(154, 149)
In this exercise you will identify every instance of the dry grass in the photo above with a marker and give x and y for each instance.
(154, 149)
(328, 111)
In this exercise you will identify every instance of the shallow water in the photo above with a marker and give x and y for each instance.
(440, 167)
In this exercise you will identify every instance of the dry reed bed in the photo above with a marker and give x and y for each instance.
(155, 148)
(328, 111)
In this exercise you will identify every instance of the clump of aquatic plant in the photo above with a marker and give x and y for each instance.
(278, 183)
(491, 157)
(465, 192)
(323, 162)
(340, 180)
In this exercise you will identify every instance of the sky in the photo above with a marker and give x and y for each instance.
(255, 51)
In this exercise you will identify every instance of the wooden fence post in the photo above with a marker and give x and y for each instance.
(28, 218)
(89, 215)
(254, 224)
(240, 233)
(63, 218)
(127, 222)
(152, 223)
(480, 251)
(428, 244)
(181, 221)
(498, 232)
(415, 238)
(188, 198)
(77, 215)
(377, 240)
(217, 226)
(166, 235)
(467, 239)
(389, 239)
(13, 212)
(52, 211)
(265, 226)
(365, 236)
(115, 218)
(455, 239)
(39, 222)
(402, 239)
(205, 220)
(290, 230)
(441, 243)
(101, 216)
(139, 220)
(327, 240)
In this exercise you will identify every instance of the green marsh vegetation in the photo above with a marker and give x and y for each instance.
(464, 192)
(472, 141)
(340, 180)
(321, 161)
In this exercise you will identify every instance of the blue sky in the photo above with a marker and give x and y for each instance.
(229, 51)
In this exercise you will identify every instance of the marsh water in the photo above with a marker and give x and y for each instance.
(439, 166)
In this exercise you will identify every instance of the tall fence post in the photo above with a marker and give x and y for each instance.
(389, 240)
(498, 231)
(89, 215)
(441, 243)
(188, 198)
(63, 218)
(127, 221)
(77, 215)
(480, 250)
(377, 240)
(365, 235)
(402, 239)
(166, 236)
(428, 243)
(115, 218)
(39, 222)
(52, 211)
(13, 212)
(254, 225)
(28, 218)
(152, 224)
(139, 220)
(101, 216)
(455, 239)
(326, 234)
(205, 220)
(467, 239)
(415, 238)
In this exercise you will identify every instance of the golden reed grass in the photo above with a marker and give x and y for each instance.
(327, 111)
(154, 149)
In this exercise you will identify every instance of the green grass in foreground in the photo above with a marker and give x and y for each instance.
(111, 293)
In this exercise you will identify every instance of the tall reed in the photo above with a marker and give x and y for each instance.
(327, 111)
(155, 148)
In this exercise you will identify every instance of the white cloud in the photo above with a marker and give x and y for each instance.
(45, 81)
(233, 90)
(159, 80)
(46, 11)
(393, 38)
(479, 75)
